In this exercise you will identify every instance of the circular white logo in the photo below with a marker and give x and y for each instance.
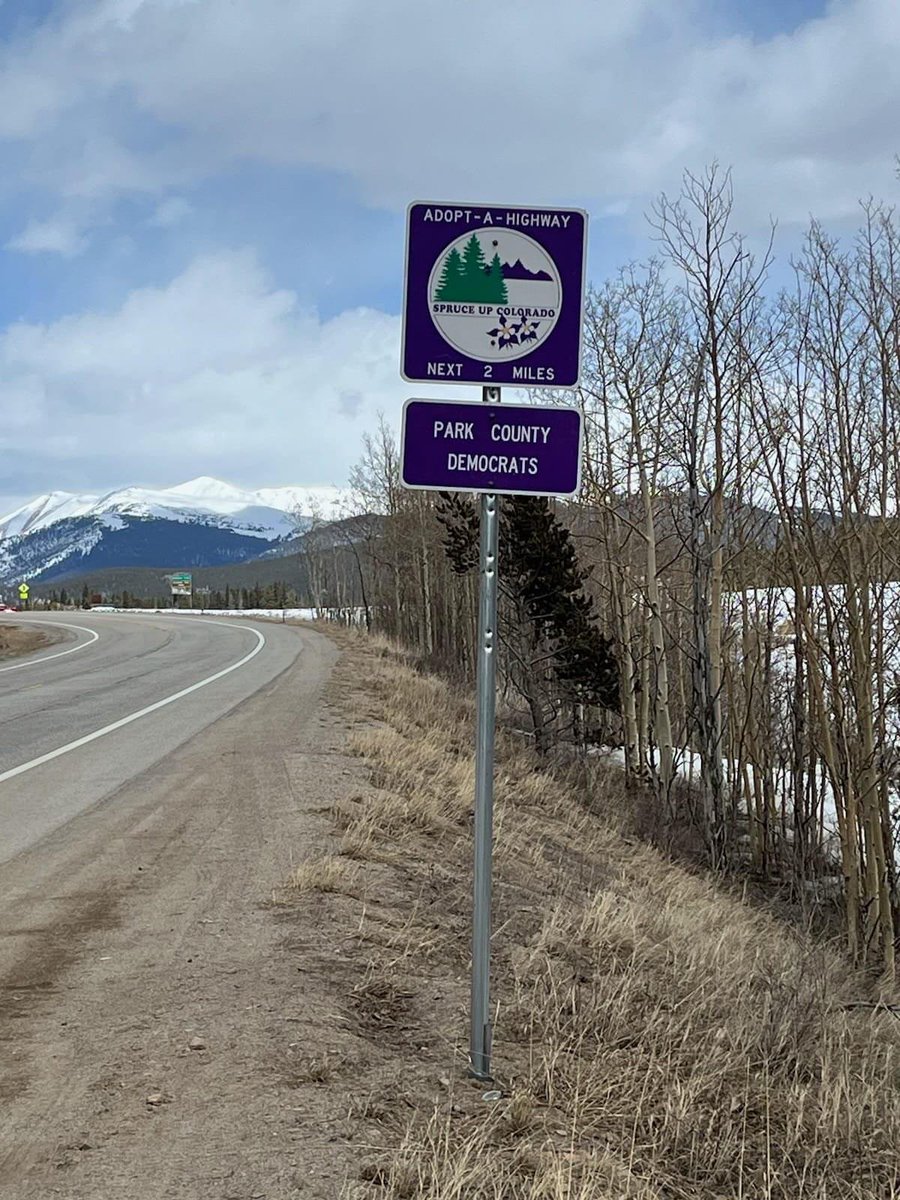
(495, 294)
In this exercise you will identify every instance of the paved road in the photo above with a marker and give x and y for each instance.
(56, 761)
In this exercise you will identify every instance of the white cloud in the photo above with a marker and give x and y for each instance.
(170, 211)
(60, 235)
(592, 99)
(219, 373)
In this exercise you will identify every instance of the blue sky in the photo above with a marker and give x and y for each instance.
(202, 201)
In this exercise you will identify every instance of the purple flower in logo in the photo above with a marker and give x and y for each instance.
(527, 330)
(504, 335)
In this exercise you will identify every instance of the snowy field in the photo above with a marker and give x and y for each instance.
(346, 616)
(775, 609)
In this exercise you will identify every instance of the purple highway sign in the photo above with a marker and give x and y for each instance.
(493, 295)
(464, 446)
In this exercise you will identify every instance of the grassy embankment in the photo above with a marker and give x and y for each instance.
(655, 1037)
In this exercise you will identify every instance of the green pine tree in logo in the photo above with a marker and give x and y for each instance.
(496, 284)
(450, 285)
(467, 278)
(475, 269)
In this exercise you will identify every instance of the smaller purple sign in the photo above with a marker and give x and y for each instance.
(517, 449)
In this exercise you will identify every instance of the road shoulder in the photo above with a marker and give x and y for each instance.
(18, 640)
(152, 1012)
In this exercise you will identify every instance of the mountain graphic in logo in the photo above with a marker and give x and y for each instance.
(519, 271)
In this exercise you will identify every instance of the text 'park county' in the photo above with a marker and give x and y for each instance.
(464, 431)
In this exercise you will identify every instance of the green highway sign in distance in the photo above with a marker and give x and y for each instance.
(180, 583)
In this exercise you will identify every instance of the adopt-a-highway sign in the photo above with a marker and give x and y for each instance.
(493, 295)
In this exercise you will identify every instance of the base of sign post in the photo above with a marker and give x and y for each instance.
(480, 1039)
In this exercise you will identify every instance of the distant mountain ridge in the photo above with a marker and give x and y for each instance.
(265, 512)
(204, 522)
(285, 562)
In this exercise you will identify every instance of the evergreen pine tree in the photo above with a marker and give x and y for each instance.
(541, 564)
(450, 285)
(476, 284)
(540, 577)
(496, 283)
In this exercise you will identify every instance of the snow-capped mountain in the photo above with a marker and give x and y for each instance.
(267, 513)
(200, 523)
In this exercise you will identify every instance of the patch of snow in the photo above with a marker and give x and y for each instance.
(43, 511)
(269, 513)
(348, 616)
(204, 487)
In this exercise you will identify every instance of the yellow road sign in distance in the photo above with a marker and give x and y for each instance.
(23, 589)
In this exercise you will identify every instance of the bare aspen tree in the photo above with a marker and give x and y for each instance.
(602, 491)
(634, 334)
(720, 283)
(838, 342)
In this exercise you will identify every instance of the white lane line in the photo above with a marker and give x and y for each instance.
(34, 662)
(143, 712)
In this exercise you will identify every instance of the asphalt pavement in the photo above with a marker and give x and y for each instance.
(98, 709)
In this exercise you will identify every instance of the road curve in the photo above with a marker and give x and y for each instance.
(87, 638)
(75, 727)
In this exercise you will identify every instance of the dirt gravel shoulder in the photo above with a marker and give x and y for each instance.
(17, 640)
(155, 1013)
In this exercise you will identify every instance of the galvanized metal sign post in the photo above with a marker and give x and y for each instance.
(492, 295)
(485, 719)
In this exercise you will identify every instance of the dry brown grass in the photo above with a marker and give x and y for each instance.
(16, 640)
(657, 1038)
(327, 873)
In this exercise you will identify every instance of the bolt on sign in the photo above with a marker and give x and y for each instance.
(493, 295)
